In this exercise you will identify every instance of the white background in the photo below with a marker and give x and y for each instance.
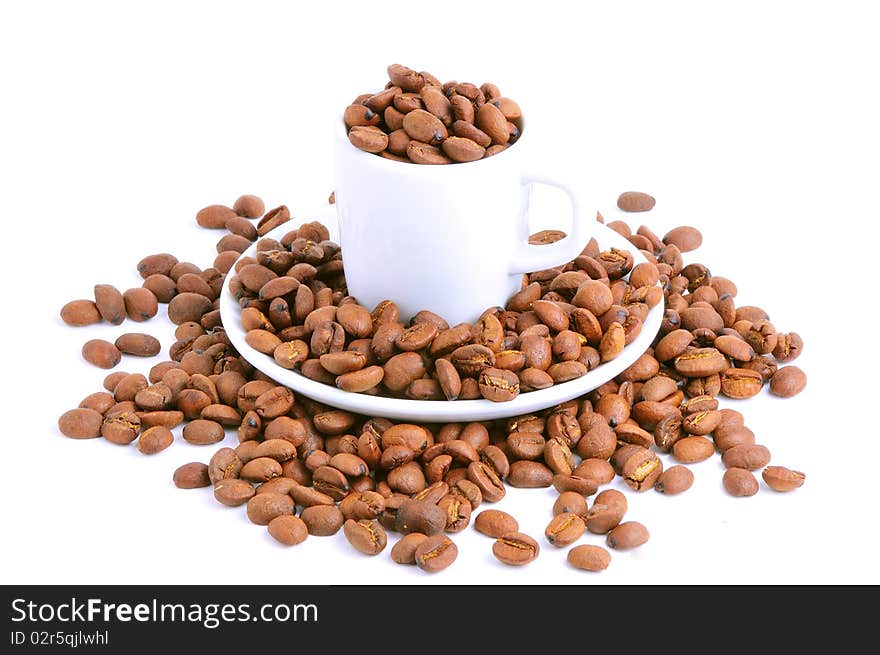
(756, 121)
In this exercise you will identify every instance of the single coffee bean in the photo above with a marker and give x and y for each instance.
(515, 549)
(287, 529)
(202, 432)
(435, 553)
(81, 312)
(690, 450)
(322, 520)
(120, 428)
(629, 534)
(263, 507)
(788, 347)
(589, 558)
(780, 478)
(529, 474)
(367, 537)
(81, 423)
(420, 516)
(192, 475)
(571, 502)
(788, 381)
(495, 523)
(741, 383)
(564, 529)
(746, 456)
(487, 480)
(225, 464)
(739, 482)
(101, 353)
(635, 201)
(674, 480)
(607, 511)
(154, 440)
(142, 345)
(700, 362)
(110, 303)
(260, 469)
(641, 469)
(233, 492)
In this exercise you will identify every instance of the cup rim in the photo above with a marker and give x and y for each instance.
(342, 135)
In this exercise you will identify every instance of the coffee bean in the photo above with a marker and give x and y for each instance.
(322, 520)
(154, 440)
(739, 482)
(588, 557)
(674, 480)
(564, 529)
(420, 516)
(142, 345)
(607, 511)
(263, 507)
(202, 432)
(286, 529)
(404, 551)
(515, 549)
(366, 536)
(780, 478)
(495, 523)
(233, 492)
(690, 450)
(81, 312)
(101, 353)
(629, 534)
(81, 423)
(110, 303)
(192, 475)
(746, 456)
(435, 553)
(635, 201)
(788, 381)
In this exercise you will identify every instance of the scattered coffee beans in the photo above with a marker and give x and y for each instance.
(302, 468)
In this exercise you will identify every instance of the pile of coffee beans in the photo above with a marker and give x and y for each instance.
(563, 322)
(303, 469)
(416, 118)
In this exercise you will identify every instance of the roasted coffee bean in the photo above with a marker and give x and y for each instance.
(260, 469)
(233, 492)
(606, 512)
(101, 353)
(420, 516)
(367, 537)
(746, 456)
(741, 383)
(286, 529)
(515, 549)
(495, 523)
(322, 520)
(202, 432)
(142, 345)
(154, 440)
(120, 428)
(191, 476)
(588, 557)
(674, 480)
(780, 478)
(81, 312)
(81, 423)
(528, 474)
(788, 381)
(629, 534)
(263, 507)
(700, 362)
(641, 469)
(435, 553)
(110, 303)
(690, 450)
(564, 529)
(739, 482)
(635, 201)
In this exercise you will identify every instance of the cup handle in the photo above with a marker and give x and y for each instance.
(528, 257)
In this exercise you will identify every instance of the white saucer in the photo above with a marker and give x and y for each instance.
(433, 411)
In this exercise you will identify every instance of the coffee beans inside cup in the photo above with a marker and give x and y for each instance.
(418, 119)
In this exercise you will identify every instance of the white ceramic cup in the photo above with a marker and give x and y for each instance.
(449, 238)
